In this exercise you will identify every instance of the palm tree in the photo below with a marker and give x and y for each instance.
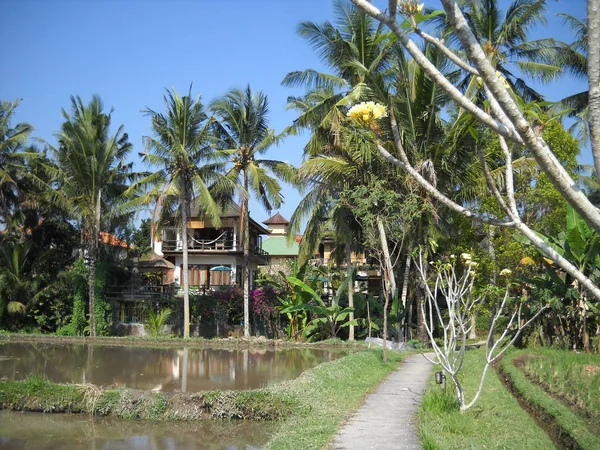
(241, 129)
(12, 157)
(89, 173)
(187, 168)
(359, 54)
(503, 37)
(575, 61)
(367, 64)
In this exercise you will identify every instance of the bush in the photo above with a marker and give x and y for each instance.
(157, 321)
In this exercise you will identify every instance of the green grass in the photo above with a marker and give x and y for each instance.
(584, 432)
(37, 394)
(495, 422)
(176, 342)
(327, 395)
(574, 377)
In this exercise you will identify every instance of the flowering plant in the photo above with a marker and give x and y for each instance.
(366, 113)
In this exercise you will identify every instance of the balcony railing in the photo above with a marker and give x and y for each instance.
(200, 245)
(205, 245)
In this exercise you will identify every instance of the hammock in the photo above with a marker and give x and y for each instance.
(205, 243)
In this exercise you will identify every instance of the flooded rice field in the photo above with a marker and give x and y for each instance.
(159, 369)
(37, 431)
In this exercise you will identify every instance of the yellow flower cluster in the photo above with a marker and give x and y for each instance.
(366, 113)
(409, 8)
(505, 272)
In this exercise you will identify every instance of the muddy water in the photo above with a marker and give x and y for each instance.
(36, 431)
(158, 369)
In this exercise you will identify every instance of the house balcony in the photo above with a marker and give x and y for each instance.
(211, 246)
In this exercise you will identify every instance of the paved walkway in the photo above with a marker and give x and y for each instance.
(387, 419)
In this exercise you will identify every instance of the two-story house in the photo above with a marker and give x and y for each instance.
(282, 253)
(217, 248)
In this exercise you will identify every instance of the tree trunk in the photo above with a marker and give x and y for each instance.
(389, 282)
(91, 285)
(386, 256)
(386, 294)
(421, 330)
(420, 287)
(350, 290)
(409, 320)
(185, 275)
(405, 281)
(245, 270)
(492, 254)
(93, 254)
(585, 335)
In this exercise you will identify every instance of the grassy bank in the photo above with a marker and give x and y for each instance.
(328, 394)
(175, 342)
(575, 429)
(495, 422)
(37, 394)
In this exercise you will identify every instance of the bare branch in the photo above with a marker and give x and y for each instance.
(392, 4)
(446, 51)
(404, 163)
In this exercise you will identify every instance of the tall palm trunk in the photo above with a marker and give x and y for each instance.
(420, 300)
(386, 256)
(389, 282)
(184, 275)
(93, 254)
(245, 270)
(350, 290)
(403, 299)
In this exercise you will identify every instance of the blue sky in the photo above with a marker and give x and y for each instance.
(128, 51)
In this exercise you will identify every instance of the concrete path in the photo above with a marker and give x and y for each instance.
(387, 419)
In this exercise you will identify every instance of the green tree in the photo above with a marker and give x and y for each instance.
(242, 130)
(503, 35)
(89, 174)
(358, 54)
(187, 167)
(12, 154)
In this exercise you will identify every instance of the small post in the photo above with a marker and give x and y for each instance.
(440, 378)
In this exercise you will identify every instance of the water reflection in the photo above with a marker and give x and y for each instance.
(165, 370)
(24, 431)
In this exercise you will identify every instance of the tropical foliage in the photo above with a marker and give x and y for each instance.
(371, 111)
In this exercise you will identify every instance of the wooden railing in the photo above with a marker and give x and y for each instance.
(224, 245)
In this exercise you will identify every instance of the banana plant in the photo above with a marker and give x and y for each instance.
(581, 246)
(333, 318)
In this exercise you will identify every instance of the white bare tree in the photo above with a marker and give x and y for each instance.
(455, 322)
(504, 118)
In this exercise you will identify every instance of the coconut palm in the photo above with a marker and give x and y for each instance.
(241, 129)
(187, 166)
(359, 54)
(89, 173)
(503, 35)
(12, 154)
(575, 60)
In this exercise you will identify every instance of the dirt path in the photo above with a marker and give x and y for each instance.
(387, 419)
